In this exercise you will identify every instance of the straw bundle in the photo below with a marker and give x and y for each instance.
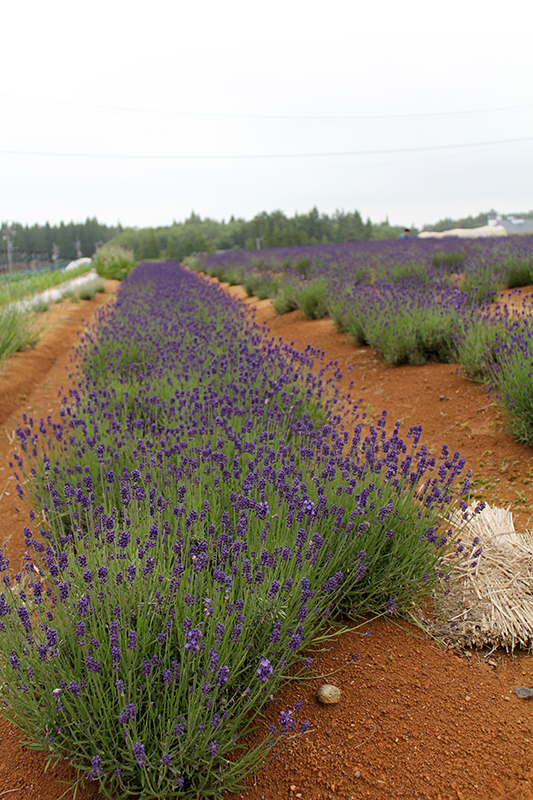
(490, 597)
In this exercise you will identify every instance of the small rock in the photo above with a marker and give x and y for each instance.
(328, 694)
(523, 692)
(442, 397)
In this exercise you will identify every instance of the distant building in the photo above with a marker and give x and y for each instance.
(511, 223)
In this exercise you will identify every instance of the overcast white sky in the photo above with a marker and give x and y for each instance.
(87, 84)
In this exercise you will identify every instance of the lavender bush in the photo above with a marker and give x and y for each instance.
(197, 517)
(403, 322)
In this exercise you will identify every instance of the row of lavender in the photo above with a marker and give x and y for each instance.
(205, 507)
(484, 265)
(412, 301)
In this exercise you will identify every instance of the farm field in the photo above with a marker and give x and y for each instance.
(414, 720)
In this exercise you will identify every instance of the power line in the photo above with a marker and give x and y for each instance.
(233, 157)
(266, 117)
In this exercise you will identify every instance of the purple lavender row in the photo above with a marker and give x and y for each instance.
(205, 506)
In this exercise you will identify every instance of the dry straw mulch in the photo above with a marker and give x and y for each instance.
(488, 600)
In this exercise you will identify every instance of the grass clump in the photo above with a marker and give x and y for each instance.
(285, 299)
(70, 294)
(310, 297)
(478, 346)
(40, 306)
(18, 329)
(87, 293)
(517, 272)
(113, 262)
(512, 380)
(260, 284)
(450, 262)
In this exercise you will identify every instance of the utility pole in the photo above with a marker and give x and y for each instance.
(8, 234)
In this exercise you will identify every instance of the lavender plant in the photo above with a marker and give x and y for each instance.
(310, 297)
(511, 378)
(198, 516)
(402, 322)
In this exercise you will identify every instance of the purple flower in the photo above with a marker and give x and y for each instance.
(213, 748)
(128, 713)
(13, 660)
(236, 632)
(286, 721)
(192, 645)
(222, 676)
(214, 659)
(92, 664)
(276, 630)
(132, 640)
(265, 670)
(124, 539)
(83, 606)
(391, 606)
(24, 618)
(139, 754)
(97, 768)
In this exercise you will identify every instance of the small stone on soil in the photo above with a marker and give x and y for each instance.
(328, 694)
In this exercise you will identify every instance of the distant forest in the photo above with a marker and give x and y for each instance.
(46, 243)
(197, 235)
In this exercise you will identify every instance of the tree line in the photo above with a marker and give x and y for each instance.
(44, 243)
(274, 229)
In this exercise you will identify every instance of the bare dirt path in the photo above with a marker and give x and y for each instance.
(414, 721)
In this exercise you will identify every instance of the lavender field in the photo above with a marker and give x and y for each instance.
(412, 301)
(206, 508)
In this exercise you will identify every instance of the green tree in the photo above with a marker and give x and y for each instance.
(171, 253)
(148, 246)
(276, 236)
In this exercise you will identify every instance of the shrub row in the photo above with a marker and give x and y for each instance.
(205, 506)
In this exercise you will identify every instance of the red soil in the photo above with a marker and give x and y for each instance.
(414, 721)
